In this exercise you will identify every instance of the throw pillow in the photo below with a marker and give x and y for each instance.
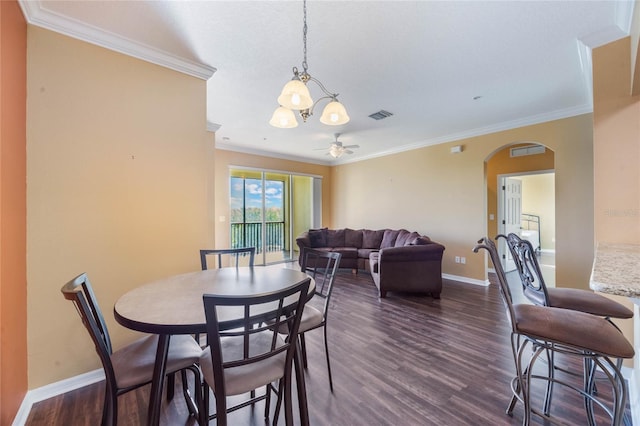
(353, 238)
(402, 238)
(411, 239)
(335, 238)
(422, 241)
(389, 238)
(318, 237)
(372, 239)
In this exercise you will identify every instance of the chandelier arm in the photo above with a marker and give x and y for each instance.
(324, 89)
(329, 96)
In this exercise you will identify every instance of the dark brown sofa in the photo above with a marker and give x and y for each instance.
(398, 260)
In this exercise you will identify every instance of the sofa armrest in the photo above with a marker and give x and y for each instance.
(303, 240)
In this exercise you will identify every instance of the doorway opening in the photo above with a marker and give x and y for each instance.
(520, 179)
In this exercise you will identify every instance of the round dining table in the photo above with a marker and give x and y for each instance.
(174, 305)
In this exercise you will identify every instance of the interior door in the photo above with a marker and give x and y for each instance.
(511, 195)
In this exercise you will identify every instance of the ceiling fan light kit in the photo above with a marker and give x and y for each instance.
(295, 96)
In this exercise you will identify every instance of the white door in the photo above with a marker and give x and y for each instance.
(511, 196)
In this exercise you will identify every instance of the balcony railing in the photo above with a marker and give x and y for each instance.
(249, 234)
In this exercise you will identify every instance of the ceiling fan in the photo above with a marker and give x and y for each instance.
(336, 149)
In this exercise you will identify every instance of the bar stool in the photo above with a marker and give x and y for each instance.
(537, 330)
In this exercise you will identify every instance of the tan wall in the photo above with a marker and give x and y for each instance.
(224, 159)
(117, 187)
(443, 195)
(13, 203)
(616, 117)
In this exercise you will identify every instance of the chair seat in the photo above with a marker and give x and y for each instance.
(133, 364)
(239, 380)
(311, 318)
(587, 301)
(574, 328)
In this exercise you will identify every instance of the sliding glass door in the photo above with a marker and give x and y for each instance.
(270, 209)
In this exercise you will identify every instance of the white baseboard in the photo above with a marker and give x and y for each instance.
(55, 389)
(467, 280)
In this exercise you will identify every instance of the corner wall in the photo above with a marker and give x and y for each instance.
(13, 179)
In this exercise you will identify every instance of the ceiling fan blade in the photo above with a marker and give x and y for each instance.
(351, 146)
(348, 151)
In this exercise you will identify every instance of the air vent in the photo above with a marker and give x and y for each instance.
(380, 115)
(521, 151)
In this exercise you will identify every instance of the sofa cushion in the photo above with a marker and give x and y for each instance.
(371, 239)
(401, 241)
(411, 239)
(365, 253)
(318, 237)
(335, 238)
(389, 238)
(347, 252)
(353, 238)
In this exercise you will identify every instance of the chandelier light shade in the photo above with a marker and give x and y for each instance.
(334, 114)
(284, 118)
(295, 96)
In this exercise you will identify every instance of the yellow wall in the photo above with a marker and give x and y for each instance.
(538, 198)
(13, 204)
(117, 186)
(443, 195)
(224, 159)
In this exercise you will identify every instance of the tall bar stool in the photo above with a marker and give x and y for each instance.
(538, 330)
(535, 289)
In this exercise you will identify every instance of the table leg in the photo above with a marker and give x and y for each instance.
(300, 386)
(159, 370)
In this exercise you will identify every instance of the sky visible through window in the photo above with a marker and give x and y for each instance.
(252, 200)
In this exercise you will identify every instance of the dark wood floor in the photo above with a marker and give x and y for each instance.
(403, 360)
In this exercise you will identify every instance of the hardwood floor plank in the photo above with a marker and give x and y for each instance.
(403, 360)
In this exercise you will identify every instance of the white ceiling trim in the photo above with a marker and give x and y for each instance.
(244, 150)
(36, 15)
(536, 119)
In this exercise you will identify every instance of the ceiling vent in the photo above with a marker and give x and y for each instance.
(527, 150)
(380, 115)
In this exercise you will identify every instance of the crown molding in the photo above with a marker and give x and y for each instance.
(37, 15)
(263, 153)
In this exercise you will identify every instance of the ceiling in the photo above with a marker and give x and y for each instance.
(445, 69)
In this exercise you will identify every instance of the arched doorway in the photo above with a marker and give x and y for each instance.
(521, 198)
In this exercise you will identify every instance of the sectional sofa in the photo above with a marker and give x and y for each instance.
(398, 260)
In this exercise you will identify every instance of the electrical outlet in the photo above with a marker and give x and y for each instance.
(457, 259)
(463, 260)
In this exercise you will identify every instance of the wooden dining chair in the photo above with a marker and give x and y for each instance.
(538, 330)
(131, 366)
(245, 354)
(232, 256)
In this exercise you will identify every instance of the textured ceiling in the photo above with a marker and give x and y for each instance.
(446, 70)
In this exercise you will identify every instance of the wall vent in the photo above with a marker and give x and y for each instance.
(382, 114)
(527, 150)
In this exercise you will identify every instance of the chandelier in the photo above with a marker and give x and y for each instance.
(295, 96)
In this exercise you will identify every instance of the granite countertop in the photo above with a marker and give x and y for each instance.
(616, 269)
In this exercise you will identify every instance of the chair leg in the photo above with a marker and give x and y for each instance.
(303, 345)
(171, 383)
(326, 352)
(546, 408)
(204, 404)
(110, 409)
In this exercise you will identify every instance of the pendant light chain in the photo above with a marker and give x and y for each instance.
(304, 36)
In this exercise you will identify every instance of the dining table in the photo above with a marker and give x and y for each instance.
(174, 305)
